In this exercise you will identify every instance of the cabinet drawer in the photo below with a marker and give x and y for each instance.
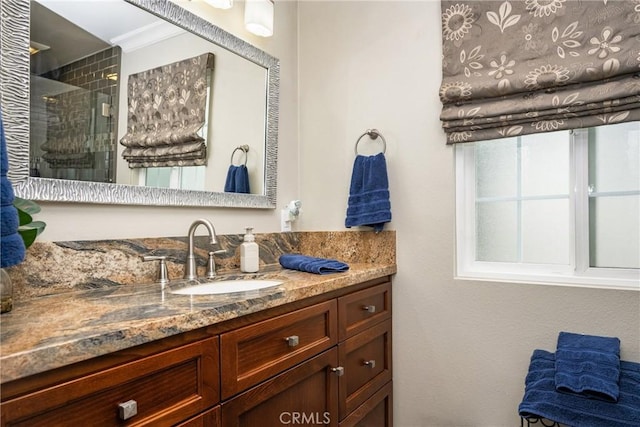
(304, 395)
(377, 411)
(259, 351)
(359, 310)
(211, 418)
(167, 388)
(366, 358)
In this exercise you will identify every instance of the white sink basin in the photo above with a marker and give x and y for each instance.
(226, 287)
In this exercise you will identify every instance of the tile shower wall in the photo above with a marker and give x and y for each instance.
(98, 76)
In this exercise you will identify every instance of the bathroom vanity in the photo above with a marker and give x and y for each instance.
(316, 350)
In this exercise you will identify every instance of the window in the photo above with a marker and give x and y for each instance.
(558, 207)
(177, 177)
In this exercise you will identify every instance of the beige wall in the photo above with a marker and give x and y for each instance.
(461, 348)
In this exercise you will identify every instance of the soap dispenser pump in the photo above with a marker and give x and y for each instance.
(249, 255)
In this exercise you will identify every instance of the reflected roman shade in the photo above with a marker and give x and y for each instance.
(68, 138)
(166, 109)
(518, 67)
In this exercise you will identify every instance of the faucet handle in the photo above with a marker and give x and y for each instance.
(163, 274)
(211, 265)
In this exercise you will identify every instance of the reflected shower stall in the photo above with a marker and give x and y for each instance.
(73, 125)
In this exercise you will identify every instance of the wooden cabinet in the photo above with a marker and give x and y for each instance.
(364, 330)
(259, 351)
(350, 383)
(322, 362)
(360, 310)
(377, 411)
(158, 390)
(210, 418)
(306, 394)
(366, 358)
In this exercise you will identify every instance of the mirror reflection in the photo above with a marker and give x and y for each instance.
(85, 59)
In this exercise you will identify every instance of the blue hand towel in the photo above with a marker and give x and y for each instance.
(588, 365)
(237, 180)
(242, 179)
(12, 249)
(312, 265)
(369, 203)
(541, 399)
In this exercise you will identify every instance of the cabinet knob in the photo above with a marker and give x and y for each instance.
(339, 371)
(293, 340)
(369, 308)
(370, 363)
(127, 409)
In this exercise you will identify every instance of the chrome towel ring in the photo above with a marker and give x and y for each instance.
(245, 149)
(373, 134)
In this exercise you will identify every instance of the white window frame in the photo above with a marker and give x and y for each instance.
(576, 273)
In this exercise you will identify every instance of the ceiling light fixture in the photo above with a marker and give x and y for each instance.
(258, 17)
(35, 47)
(220, 4)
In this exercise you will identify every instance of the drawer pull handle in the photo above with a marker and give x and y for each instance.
(127, 409)
(370, 363)
(339, 371)
(293, 340)
(369, 308)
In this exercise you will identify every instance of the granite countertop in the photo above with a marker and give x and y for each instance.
(56, 330)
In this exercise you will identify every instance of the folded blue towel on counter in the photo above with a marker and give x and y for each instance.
(541, 399)
(12, 249)
(312, 265)
(588, 366)
(368, 203)
(237, 180)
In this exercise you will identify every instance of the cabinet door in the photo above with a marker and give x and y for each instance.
(259, 351)
(164, 388)
(363, 309)
(304, 395)
(210, 418)
(377, 411)
(366, 358)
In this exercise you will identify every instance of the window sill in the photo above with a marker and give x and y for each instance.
(626, 284)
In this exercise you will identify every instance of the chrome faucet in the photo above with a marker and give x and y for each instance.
(190, 271)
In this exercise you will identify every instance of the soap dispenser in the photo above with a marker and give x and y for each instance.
(249, 255)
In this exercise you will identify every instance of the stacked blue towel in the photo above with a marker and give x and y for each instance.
(312, 265)
(12, 249)
(588, 365)
(541, 399)
(237, 180)
(369, 203)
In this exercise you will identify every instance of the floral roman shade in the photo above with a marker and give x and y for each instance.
(68, 137)
(526, 66)
(167, 107)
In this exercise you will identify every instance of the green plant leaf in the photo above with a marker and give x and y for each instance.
(28, 229)
(38, 225)
(28, 235)
(31, 231)
(26, 206)
(24, 217)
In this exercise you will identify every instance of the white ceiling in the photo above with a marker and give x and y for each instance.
(77, 28)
